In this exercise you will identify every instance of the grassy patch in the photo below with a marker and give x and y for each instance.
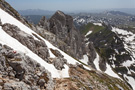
(90, 26)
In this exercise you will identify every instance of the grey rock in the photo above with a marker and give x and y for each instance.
(102, 64)
(44, 23)
(35, 88)
(7, 47)
(41, 82)
(1, 81)
(91, 53)
(0, 87)
(43, 52)
(7, 87)
(11, 74)
(57, 53)
(10, 54)
(2, 63)
(59, 63)
(16, 86)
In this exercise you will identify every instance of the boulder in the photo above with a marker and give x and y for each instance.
(57, 53)
(41, 82)
(59, 63)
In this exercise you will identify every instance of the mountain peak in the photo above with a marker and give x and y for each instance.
(60, 13)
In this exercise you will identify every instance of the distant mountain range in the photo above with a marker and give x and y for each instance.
(48, 12)
(35, 12)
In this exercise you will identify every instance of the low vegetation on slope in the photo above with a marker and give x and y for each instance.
(90, 26)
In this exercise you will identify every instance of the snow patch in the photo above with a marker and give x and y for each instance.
(131, 81)
(120, 88)
(88, 33)
(64, 72)
(116, 51)
(110, 72)
(81, 20)
(99, 24)
(128, 63)
(85, 59)
(96, 62)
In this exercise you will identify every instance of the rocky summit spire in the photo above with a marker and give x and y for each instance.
(63, 27)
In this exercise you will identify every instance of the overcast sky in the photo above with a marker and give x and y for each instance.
(71, 5)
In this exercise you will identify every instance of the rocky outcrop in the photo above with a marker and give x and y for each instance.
(37, 46)
(44, 23)
(59, 60)
(67, 37)
(20, 72)
(91, 53)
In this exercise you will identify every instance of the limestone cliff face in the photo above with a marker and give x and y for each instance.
(67, 37)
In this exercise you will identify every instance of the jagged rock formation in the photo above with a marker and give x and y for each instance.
(67, 37)
(91, 53)
(44, 23)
